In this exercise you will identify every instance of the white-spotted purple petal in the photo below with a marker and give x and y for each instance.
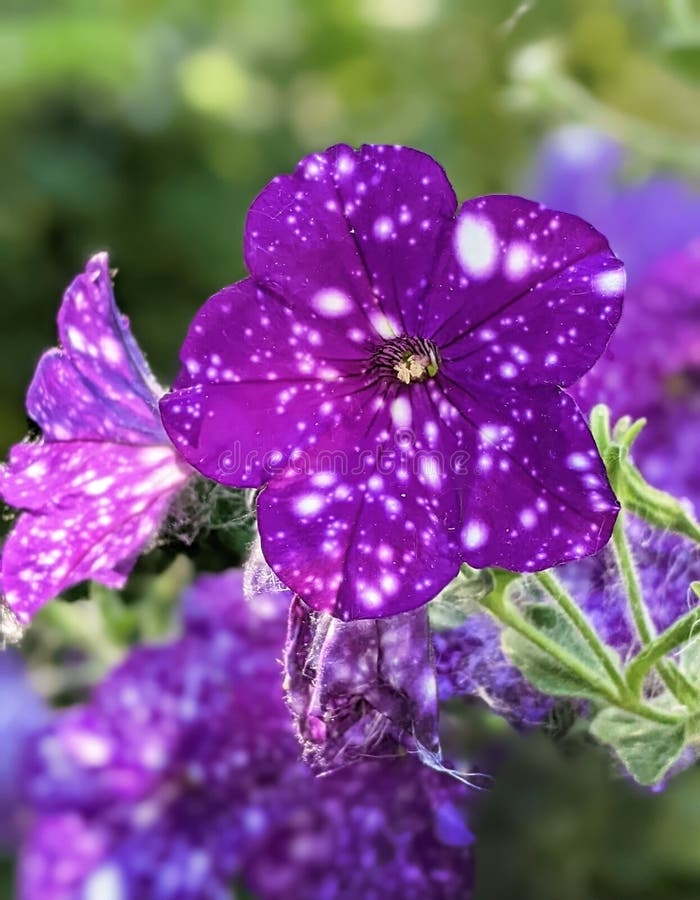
(96, 487)
(527, 295)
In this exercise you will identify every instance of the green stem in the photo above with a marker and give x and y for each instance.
(673, 637)
(674, 680)
(570, 608)
(630, 579)
(508, 614)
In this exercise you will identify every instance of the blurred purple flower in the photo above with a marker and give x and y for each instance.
(392, 372)
(360, 689)
(96, 486)
(469, 662)
(652, 365)
(182, 773)
(383, 830)
(21, 713)
(666, 564)
(582, 171)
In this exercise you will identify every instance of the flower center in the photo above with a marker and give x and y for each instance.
(409, 359)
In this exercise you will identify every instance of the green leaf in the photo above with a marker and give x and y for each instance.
(543, 670)
(647, 749)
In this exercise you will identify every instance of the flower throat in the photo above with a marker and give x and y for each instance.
(409, 359)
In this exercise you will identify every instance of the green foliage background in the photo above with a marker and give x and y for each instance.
(147, 127)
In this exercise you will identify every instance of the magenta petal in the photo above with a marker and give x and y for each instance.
(360, 689)
(95, 488)
(92, 509)
(367, 224)
(530, 295)
(259, 380)
(113, 393)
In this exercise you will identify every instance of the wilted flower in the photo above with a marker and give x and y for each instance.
(182, 773)
(392, 371)
(360, 689)
(96, 486)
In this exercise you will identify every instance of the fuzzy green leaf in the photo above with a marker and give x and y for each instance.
(647, 749)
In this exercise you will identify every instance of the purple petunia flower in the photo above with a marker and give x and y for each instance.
(96, 486)
(392, 372)
(666, 563)
(360, 689)
(182, 773)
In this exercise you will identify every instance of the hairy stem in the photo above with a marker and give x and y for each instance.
(573, 611)
(674, 680)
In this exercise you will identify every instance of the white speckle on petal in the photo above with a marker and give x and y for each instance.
(104, 883)
(383, 228)
(100, 485)
(309, 504)
(76, 338)
(611, 283)
(474, 534)
(384, 326)
(476, 246)
(111, 350)
(528, 518)
(578, 461)
(331, 303)
(90, 749)
(517, 263)
(401, 413)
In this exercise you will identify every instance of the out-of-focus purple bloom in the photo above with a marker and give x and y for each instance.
(182, 773)
(360, 689)
(96, 486)
(380, 830)
(583, 172)
(392, 371)
(470, 663)
(652, 365)
(21, 713)
(666, 563)
(654, 357)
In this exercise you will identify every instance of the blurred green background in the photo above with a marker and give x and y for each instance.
(147, 128)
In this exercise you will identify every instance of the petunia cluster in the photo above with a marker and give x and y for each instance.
(404, 382)
(181, 774)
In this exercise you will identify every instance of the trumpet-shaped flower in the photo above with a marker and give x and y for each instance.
(392, 373)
